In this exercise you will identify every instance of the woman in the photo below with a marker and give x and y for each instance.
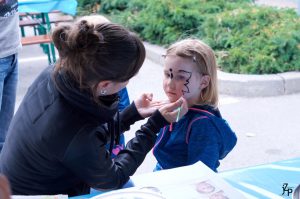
(56, 142)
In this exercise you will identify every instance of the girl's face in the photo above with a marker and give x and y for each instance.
(181, 78)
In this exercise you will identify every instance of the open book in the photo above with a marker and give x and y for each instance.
(189, 182)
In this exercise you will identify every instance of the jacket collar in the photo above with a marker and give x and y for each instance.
(206, 108)
(83, 99)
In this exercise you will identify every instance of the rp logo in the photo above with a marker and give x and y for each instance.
(286, 189)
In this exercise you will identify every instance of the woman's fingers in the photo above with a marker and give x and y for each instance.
(172, 107)
(147, 96)
(170, 111)
(158, 103)
(184, 108)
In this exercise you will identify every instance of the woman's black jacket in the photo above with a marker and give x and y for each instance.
(56, 141)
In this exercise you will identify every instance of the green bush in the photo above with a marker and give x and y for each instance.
(160, 21)
(255, 40)
(85, 7)
(113, 6)
(246, 38)
(165, 21)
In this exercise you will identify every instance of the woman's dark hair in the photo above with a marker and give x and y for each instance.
(90, 53)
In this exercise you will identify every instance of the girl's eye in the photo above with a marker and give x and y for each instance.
(167, 75)
(180, 78)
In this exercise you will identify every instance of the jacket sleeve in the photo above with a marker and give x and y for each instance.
(128, 117)
(89, 160)
(203, 144)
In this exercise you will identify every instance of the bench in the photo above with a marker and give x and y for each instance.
(41, 23)
(35, 22)
(37, 39)
(29, 22)
(31, 19)
(24, 14)
(45, 41)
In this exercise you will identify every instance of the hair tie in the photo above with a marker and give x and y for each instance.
(194, 58)
(62, 36)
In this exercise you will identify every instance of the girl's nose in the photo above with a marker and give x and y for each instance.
(171, 83)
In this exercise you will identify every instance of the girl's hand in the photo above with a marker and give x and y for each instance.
(170, 111)
(145, 106)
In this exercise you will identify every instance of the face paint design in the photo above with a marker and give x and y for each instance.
(187, 81)
(181, 79)
(171, 73)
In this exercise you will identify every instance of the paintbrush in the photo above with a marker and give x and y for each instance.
(178, 113)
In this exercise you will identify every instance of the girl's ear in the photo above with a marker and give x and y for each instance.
(205, 79)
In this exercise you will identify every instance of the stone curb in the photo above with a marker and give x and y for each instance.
(244, 85)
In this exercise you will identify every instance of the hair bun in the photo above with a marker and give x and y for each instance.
(85, 39)
(60, 37)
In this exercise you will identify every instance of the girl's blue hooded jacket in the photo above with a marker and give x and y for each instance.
(201, 135)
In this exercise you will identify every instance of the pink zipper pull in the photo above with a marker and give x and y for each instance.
(171, 127)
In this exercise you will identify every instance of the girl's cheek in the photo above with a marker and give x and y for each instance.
(164, 84)
(180, 88)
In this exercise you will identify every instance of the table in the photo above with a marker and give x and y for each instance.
(46, 6)
(266, 181)
(274, 180)
(42, 8)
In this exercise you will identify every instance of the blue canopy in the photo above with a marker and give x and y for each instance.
(45, 6)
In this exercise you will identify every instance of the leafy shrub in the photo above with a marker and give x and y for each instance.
(113, 6)
(165, 21)
(246, 38)
(87, 6)
(255, 40)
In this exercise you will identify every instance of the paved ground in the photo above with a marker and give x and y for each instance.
(267, 128)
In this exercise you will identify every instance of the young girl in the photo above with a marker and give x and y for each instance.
(201, 135)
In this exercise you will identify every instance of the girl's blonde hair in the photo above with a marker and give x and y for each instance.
(204, 57)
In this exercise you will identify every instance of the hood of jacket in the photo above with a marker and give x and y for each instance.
(227, 138)
(103, 111)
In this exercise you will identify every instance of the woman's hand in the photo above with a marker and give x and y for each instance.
(174, 111)
(145, 106)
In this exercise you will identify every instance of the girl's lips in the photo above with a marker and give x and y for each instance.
(170, 93)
